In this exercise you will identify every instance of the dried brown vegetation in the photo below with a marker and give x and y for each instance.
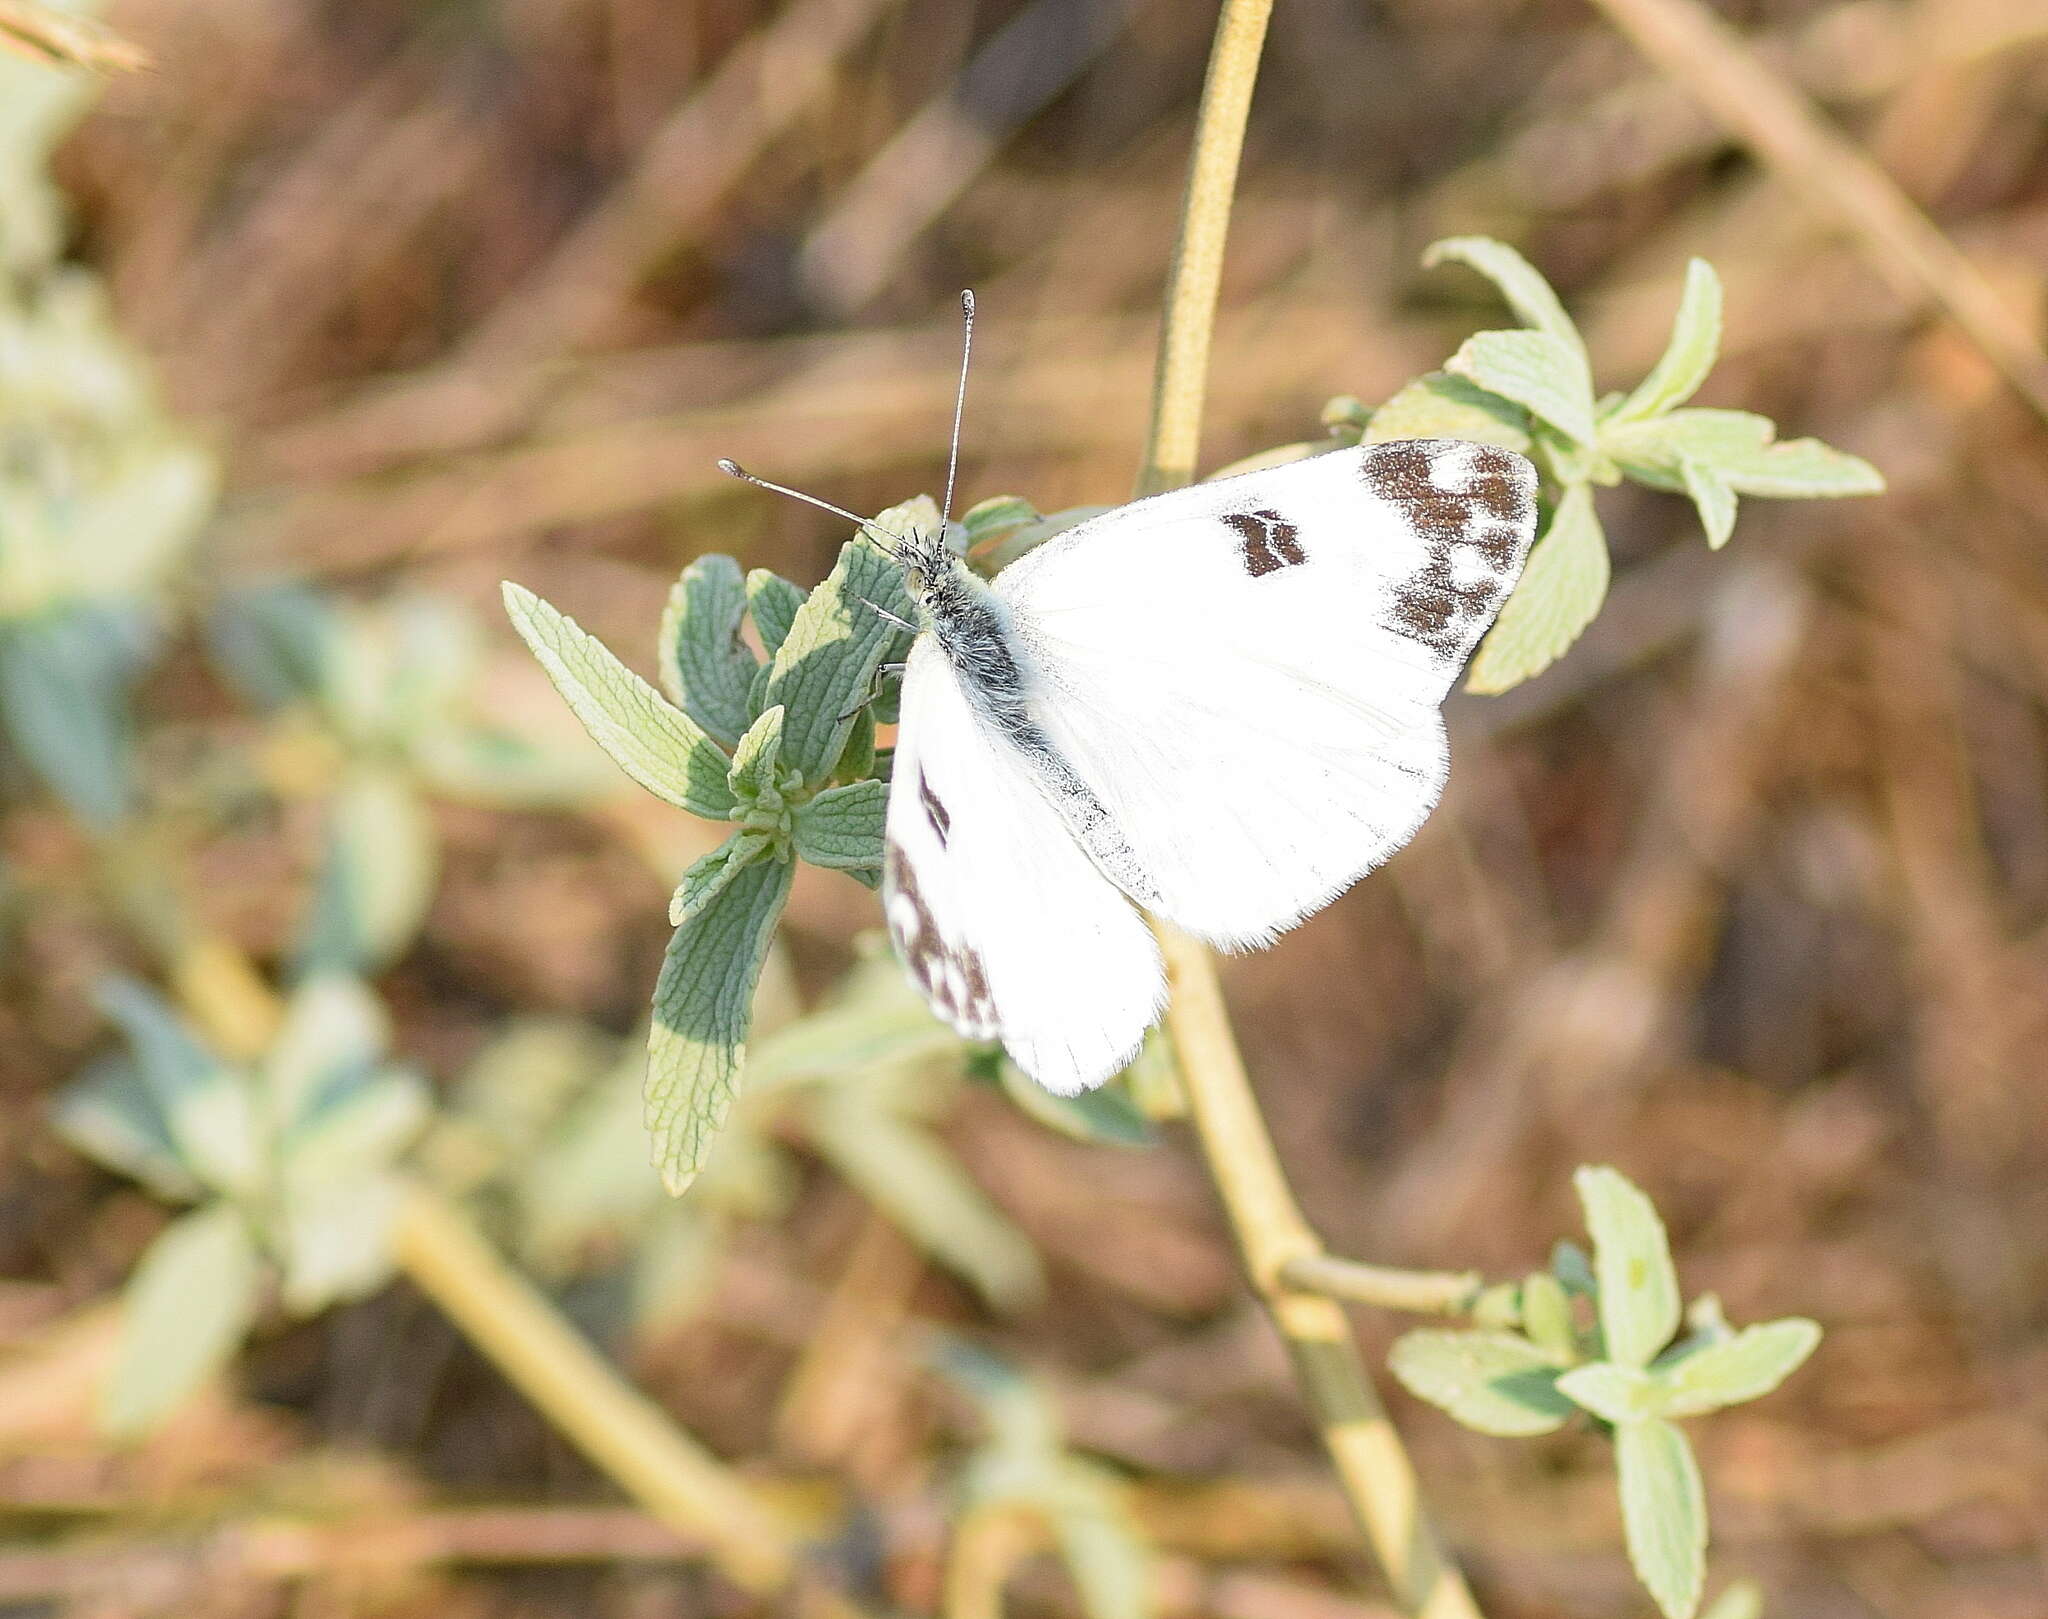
(1747, 896)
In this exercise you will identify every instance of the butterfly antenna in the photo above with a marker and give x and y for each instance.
(959, 403)
(732, 469)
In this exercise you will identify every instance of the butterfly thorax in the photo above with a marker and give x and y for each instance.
(975, 632)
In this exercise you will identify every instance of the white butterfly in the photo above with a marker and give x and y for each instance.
(1220, 704)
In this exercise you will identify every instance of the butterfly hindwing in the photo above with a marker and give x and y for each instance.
(1004, 923)
(1247, 673)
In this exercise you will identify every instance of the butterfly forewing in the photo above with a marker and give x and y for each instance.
(1001, 919)
(1247, 673)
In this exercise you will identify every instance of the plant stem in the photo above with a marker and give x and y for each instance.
(1422, 1292)
(1370, 1462)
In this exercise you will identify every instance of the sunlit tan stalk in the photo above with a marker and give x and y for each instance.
(1370, 1461)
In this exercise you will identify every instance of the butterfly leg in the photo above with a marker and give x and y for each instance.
(884, 613)
(882, 672)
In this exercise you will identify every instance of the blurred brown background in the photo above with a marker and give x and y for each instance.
(1745, 897)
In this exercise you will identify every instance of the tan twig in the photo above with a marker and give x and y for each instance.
(1783, 130)
(1422, 1292)
(1370, 1461)
(53, 36)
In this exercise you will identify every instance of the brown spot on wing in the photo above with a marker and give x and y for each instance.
(952, 976)
(1266, 541)
(1473, 506)
(934, 811)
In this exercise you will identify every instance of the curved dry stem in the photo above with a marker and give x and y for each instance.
(1371, 1464)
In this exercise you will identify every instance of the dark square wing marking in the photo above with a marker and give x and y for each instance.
(1266, 541)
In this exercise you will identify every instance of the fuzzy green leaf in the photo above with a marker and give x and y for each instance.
(827, 663)
(1689, 356)
(1713, 498)
(1741, 447)
(842, 826)
(336, 1239)
(996, 515)
(1744, 1599)
(1639, 1304)
(1744, 1367)
(1664, 1511)
(64, 680)
(1547, 377)
(186, 1308)
(703, 1004)
(757, 761)
(1493, 1382)
(1103, 1117)
(206, 1105)
(1440, 405)
(1519, 281)
(109, 1114)
(706, 667)
(1613, 1393)
(1547, 1314)
(658, 745)
(774, 602)
(377, 880)
(334, 1034)
(707, 878)
(1559, 593)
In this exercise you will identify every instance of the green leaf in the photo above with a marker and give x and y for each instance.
(1573, 1270)
(1103, 1117)
(1560, 591)
(1743, 1599)
(828, 661)
(1713, 498)
(109, 1114)
(336, 1239)
(842, 827)
(1613, 1393)
(588, 1175)
(1639, 1304)
(1546, 376)
(774, 602)
(706, 667)
(709, 877)
(904, 1171)
(356, 1135)
(1664, 1510)
(1520, 283)
(186, 1308)
(377, 880)
(997, 515)
(334, 1033)
(875, 1019)
(659, 746)
(1547, 1314)
(756, 763)
(1740, 446)
(64, 681)
(1744, 1367)
(1689, 356)
(1440, 405)
(1494, 1382)
(271, 641)
(206, 1105)
(703, 1004)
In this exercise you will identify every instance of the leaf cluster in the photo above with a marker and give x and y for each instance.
(1597, 1338)
(376, 707)
(289, 1164)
